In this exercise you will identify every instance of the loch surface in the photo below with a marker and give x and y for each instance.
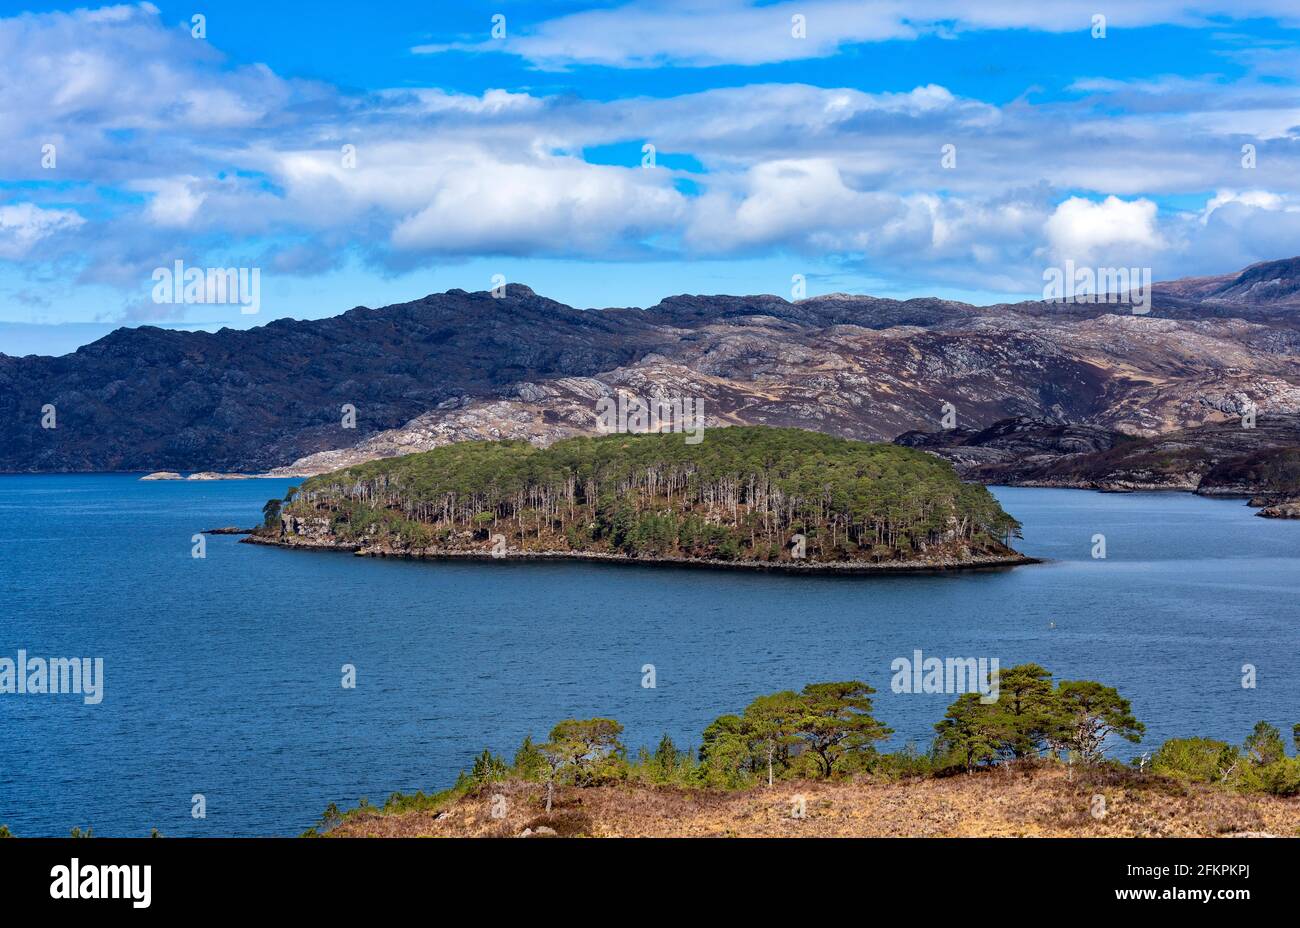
(222, 674)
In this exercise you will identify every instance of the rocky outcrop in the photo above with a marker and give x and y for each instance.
(315, 530)
(1016, 450)
(1218, 459)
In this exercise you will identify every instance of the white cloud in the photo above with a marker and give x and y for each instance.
(546, 206)
(791, 202)
(829, 172)
(1233, 230)
(702, 33)
(175, 200)
(23, 226)
(1084, 231)
(1261, 199)
(120, 67)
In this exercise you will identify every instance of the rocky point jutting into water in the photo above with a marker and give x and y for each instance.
(1255, 458)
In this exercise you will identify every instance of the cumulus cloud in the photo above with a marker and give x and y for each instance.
(538, 206)
(1085, 231)
(197, 152)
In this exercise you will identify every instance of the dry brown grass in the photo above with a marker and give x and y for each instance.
(1007, 802)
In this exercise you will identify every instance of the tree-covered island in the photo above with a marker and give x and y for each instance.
(746, 496)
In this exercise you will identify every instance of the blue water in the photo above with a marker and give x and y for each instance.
(222, 675)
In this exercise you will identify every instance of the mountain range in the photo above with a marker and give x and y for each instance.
(460, 365)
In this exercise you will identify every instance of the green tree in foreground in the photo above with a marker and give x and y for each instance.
(1026, 710)
(769, 723)
(1089, 713)
(667, 760)
(1264, 745)
(968, 732)
(1030, 717)
(830, 722)
(1201, 760)
(1270, 770)
(835, 722)
(271, 513)
(1021, 723)
(530, 762)
(576, 749)
(727, 751)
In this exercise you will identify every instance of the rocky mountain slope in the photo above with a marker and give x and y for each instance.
(1216, 459)
(466, 365)
(153, 399)
(1267, 288)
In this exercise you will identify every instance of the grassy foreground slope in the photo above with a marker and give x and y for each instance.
(1030, 800)
(742, 494)
(1030, 762)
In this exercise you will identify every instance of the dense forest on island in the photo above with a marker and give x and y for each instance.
(743, 494)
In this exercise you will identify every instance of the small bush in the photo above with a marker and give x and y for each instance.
(1199, 760)
(1282, 777)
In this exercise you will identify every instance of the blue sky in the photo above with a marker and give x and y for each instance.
(521, 155)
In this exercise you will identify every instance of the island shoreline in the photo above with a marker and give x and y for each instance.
(852, 568)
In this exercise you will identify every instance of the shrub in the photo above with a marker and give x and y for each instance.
(1282, 777)
(487, 768)
(1199, 760)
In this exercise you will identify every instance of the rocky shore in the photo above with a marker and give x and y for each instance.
(1290, 509)
(325, 543)
(199, 475)
(1222, 459)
